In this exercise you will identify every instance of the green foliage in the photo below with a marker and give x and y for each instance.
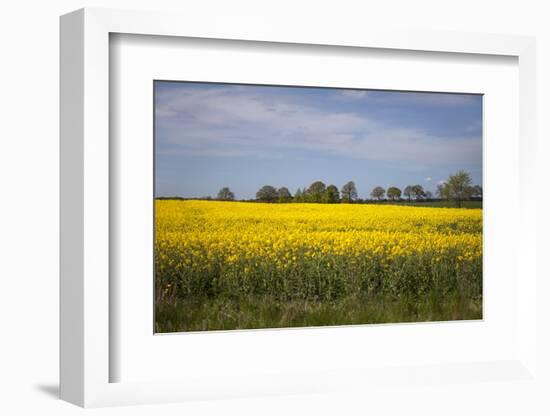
(225, 194)
(332, 196)
(349, 192)
(265, 312)
(370, 291)
(417, 192)
(459, 187)
(378, 193)
(442, 191)
(434, 204)
(329, 278)
(284, 195)
(267, 193)
(316, 191)
(407, 192)
(394, 193)
(304, 196)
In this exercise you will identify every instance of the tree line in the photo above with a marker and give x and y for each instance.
(457, 188)
(317, 192)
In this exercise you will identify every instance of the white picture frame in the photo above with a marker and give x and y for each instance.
(85, 353)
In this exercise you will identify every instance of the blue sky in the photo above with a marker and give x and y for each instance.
(208, 136)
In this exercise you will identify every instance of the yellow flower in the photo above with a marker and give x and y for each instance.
(206, 236)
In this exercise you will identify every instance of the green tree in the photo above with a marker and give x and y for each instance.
(407, 192)
(460, 187)
(349, 192)
(378, 193)
(393, 193)
(298, 196)
(284, 195)
(442, 191)
(477, 191)
(316, 191)
(267, 193)
(225, 194)
(417, 192)
(332, 195)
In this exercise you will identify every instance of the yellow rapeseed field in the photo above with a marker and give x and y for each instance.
(314, 251)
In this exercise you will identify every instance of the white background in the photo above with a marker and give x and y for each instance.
(29, 208)
(137, 60)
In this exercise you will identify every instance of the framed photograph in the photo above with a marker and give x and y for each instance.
(256, 255)
(272, 212)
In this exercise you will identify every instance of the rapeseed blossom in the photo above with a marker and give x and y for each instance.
(320, 250)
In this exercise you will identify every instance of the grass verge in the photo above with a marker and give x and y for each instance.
(262, 312)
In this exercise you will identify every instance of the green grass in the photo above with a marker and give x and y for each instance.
(409, 290)
(261, 312)
(434, 204)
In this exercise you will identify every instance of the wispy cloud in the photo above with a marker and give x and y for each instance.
(353, 94)
(232, 121)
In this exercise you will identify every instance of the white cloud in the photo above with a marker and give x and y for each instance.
(229, 122)
(428, 179)
(354, 94)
